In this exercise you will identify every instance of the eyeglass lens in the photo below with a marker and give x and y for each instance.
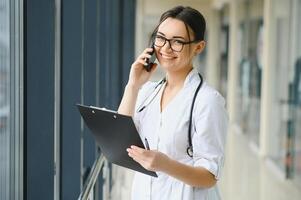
(175, 45)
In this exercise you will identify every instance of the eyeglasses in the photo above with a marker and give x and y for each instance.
(175, 44)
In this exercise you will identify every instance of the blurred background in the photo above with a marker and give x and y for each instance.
(56, 53)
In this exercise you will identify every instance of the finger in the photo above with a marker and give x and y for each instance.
(132, 155)
(139, 62)
(135, 147)
(136, 157)
(143, 163)
(137, 153)
(148, 50)
(141, 156)
(144, 56)
(143, 62)
(138, 149)
(153, 67)
(147, 55)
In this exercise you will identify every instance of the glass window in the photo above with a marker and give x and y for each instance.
(249, 53)
(296, 100)
(9, 134)
(4, 101)
(224, 35)
(285, 134)
(279, 57)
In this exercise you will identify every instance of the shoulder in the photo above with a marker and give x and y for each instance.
(209, 102)
(146, 90)
(147, 87)
(209, 95)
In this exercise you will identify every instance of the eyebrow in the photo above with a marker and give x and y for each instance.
(172, 37)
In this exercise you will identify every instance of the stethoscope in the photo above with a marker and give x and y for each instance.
(189, 149)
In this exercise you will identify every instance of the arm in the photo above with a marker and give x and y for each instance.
(127, 105)
(138, 76)
(157, 161)
(194, 176)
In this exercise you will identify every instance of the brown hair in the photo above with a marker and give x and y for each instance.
(191, 18)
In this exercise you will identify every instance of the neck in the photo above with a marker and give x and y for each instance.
(177, 78)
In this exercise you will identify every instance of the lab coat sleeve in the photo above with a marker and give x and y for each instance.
(210, 129)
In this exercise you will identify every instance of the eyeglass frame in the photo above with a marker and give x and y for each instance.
(169, 41)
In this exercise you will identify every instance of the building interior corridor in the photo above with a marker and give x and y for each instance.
(56, 54)
(245, 176)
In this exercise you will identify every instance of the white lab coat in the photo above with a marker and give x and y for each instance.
(168, 132)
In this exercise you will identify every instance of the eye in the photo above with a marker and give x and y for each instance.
(178, 42)
(158, 37)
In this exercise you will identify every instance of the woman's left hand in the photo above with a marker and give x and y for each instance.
(149, 159)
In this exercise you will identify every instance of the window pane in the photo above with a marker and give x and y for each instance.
(281, 19)
(4, 101)
(250, 68)
(296, 101)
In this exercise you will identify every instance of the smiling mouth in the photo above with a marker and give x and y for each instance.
(167, 56)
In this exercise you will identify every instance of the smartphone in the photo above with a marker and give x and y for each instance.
(150, 61)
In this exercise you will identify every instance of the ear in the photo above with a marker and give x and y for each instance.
(200, 46)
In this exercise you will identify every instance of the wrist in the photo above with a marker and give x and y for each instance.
(167, 165)
(132, 86)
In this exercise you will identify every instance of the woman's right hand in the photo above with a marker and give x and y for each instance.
(138, 74)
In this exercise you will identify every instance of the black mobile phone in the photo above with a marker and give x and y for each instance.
(150, 61)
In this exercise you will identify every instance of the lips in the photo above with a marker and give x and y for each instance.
(168, 57)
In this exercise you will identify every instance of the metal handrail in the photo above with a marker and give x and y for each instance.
(91, 180)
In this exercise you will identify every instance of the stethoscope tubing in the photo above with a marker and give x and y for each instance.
(189, 149)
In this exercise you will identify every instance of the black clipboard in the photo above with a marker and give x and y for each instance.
(114, 133)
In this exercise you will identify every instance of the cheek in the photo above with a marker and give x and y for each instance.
(186, 57)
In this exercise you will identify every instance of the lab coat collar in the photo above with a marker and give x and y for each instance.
(192, 75)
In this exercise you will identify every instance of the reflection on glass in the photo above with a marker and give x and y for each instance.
(280, 115)
(296, 113)
(4, 101)
(286, 139)
(285, 142)
(224, 36)
(296, 104)
(249, 88)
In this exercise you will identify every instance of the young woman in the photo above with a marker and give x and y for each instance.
(182, 118)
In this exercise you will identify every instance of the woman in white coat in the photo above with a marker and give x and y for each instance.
(182, 117)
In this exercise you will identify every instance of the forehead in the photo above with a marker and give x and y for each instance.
(173, 27)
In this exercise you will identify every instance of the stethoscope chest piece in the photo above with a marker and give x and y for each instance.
(189, 151)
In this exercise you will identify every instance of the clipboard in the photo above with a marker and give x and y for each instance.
(114, 133)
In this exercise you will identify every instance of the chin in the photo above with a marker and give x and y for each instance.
(169, 67)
